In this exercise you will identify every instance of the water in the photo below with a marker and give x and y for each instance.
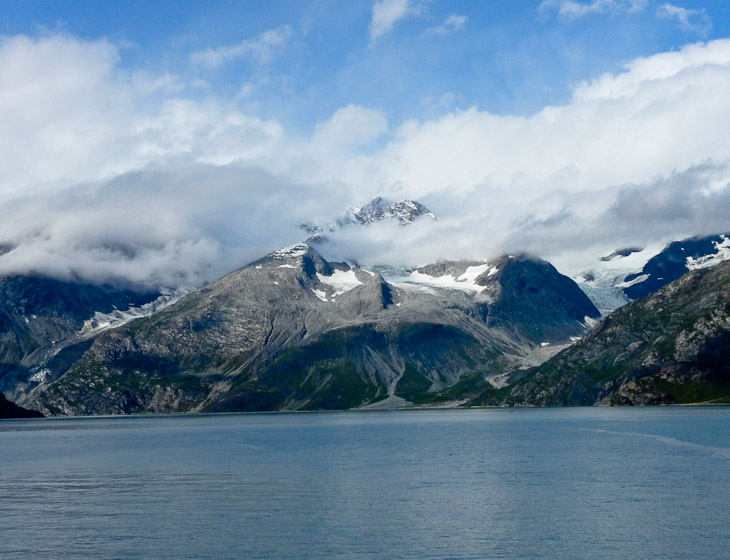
(558, 483)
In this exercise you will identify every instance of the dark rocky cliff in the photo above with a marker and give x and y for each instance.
(11, 410)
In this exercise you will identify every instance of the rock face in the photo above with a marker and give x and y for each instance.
(670, 347)
(39, 316)
(10, 410)
(293, 331)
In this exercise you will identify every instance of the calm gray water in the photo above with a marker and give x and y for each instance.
(557, 483)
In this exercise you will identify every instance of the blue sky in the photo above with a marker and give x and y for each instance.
(167, 143)
(503, 57)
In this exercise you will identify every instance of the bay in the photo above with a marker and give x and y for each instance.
(513, 483)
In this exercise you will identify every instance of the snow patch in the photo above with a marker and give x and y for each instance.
(103, 321)
(340, 281)
(723, 254)
(465, 282)
(320, 294)
(637, 280)
(286, 266)
(409, 287)
(290, 252)
(473, 272)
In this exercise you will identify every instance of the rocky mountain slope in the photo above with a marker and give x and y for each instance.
(293, 331)
(670, 347)
(39, 316)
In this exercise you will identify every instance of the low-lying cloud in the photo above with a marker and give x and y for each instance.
(112, 175)
(173, 226)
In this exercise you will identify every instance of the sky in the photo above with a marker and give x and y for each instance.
(167, 143)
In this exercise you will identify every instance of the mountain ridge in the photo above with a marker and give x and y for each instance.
(670, 347)
(293, 331)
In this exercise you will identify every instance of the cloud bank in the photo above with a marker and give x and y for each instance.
(112, 175)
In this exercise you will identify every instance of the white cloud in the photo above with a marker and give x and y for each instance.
(662, 112)
(176, 225)
(546, 182)
(660, 70)
(52, 94)
(695, 21)
(575, 9)
(69, 115)
(262, 49)
(107, 174)
(451, 24)
(97, 164)
(387, 12)
(350, 127)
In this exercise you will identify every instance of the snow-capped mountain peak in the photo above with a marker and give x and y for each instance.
(379, 209)
(405, 211)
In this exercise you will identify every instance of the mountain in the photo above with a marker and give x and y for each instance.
(672, 346)
(10, 410)
(674, 261)
(404, 212)
(294, 331)
(39, 317)
(634, 273)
